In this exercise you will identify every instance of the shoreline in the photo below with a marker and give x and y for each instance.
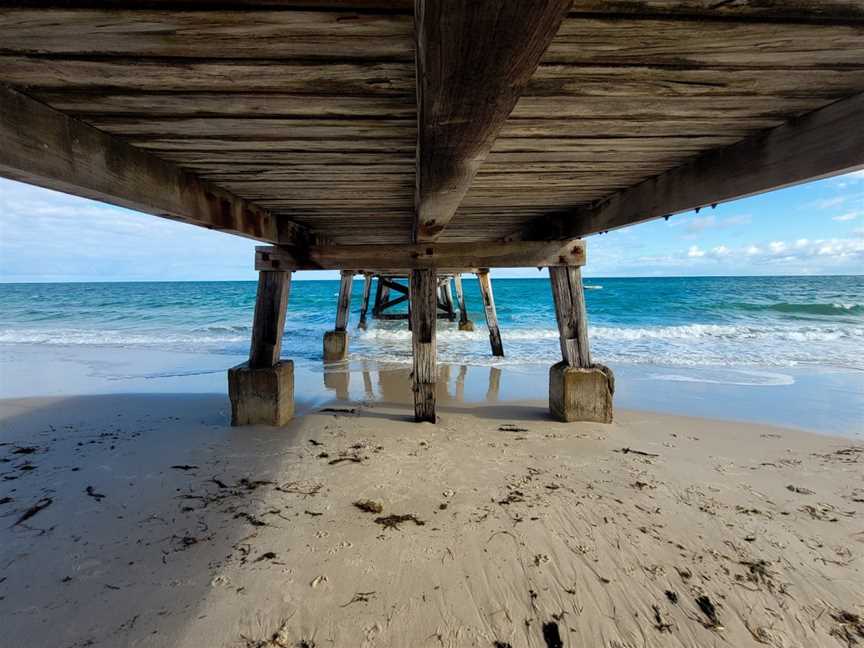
(166, 527)
(814, 398)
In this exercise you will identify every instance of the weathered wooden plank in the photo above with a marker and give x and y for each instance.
(225, 104)
(678, 82)
(268, 325)
(749, 9)
(222, 144)
(569, 297)
(207, 34)
(491, 314)
(700, 43)
(423, 286)
(473, 61)
(428, 255)
(315, 78)
(260, 128)
(826, 142)
(41, 146)
(565, 107)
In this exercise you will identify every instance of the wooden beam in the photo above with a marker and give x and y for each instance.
(572, 316)
(491, 314)
(364, 305)
(423, 285)
(41, 146)
(383, 258)
(271, 303)
(343, 309)
(825, 142)
(473, 61)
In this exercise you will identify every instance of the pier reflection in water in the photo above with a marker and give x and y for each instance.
(457, 383)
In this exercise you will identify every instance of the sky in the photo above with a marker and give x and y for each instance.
(810, 229)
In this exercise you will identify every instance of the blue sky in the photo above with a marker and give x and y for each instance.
(816, 228)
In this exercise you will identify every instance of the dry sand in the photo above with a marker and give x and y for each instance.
(145, 521)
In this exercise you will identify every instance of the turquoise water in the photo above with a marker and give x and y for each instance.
(694, 322)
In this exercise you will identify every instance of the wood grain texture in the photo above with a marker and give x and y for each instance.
(495, 342)
(41, 146)
(423, 287)
(571, 314)
(171, 75)
(426, 255)
(816, 10)
(823, 143)
(473, 61)
(210, 34)
(694, 43)
(271, 304)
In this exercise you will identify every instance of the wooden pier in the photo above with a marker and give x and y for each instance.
(420, 139)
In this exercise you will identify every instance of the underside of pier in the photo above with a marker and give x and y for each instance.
(426, 138)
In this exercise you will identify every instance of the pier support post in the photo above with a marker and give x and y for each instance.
(465, 324)
(578, 389)
(336, 341)
(424, 305)
(491, 315)
(364, 304)
(262, 390)
(382, 295)
(447, 298)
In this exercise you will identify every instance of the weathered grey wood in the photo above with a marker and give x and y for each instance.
(210, 34)
(712, 9)
(271, 304)
(826, 142)
(41, 146)
(364, 306)
(464, 322)
(447, 295)
(209, 75)
(432, 255)
(569, 297)
(343, 308)
(423, 286)
(491, 315)
(473, 61)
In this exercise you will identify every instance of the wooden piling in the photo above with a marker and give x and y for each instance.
(447, 294)
(571, 314)
(364, 304)
(271, 303)
(464, 323)
(344, 307)
(423, 286)
(336, 341)
(491, 315)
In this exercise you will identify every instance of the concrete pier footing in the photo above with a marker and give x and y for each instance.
(262, 396)
(335, 346)
(581, 394)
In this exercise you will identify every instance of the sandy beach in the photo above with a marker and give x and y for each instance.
(144, 520)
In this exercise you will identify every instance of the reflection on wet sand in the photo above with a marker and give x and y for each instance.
(394, 385)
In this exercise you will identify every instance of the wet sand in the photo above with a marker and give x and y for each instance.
(143, 520)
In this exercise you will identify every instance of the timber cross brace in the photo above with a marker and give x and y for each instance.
(578, 389)
(426, 138)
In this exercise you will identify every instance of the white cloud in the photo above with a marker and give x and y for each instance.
(776, 247)
(695, 252)
(849, 216)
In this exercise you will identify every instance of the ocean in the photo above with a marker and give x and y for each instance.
(788, 350)
(700, 321)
